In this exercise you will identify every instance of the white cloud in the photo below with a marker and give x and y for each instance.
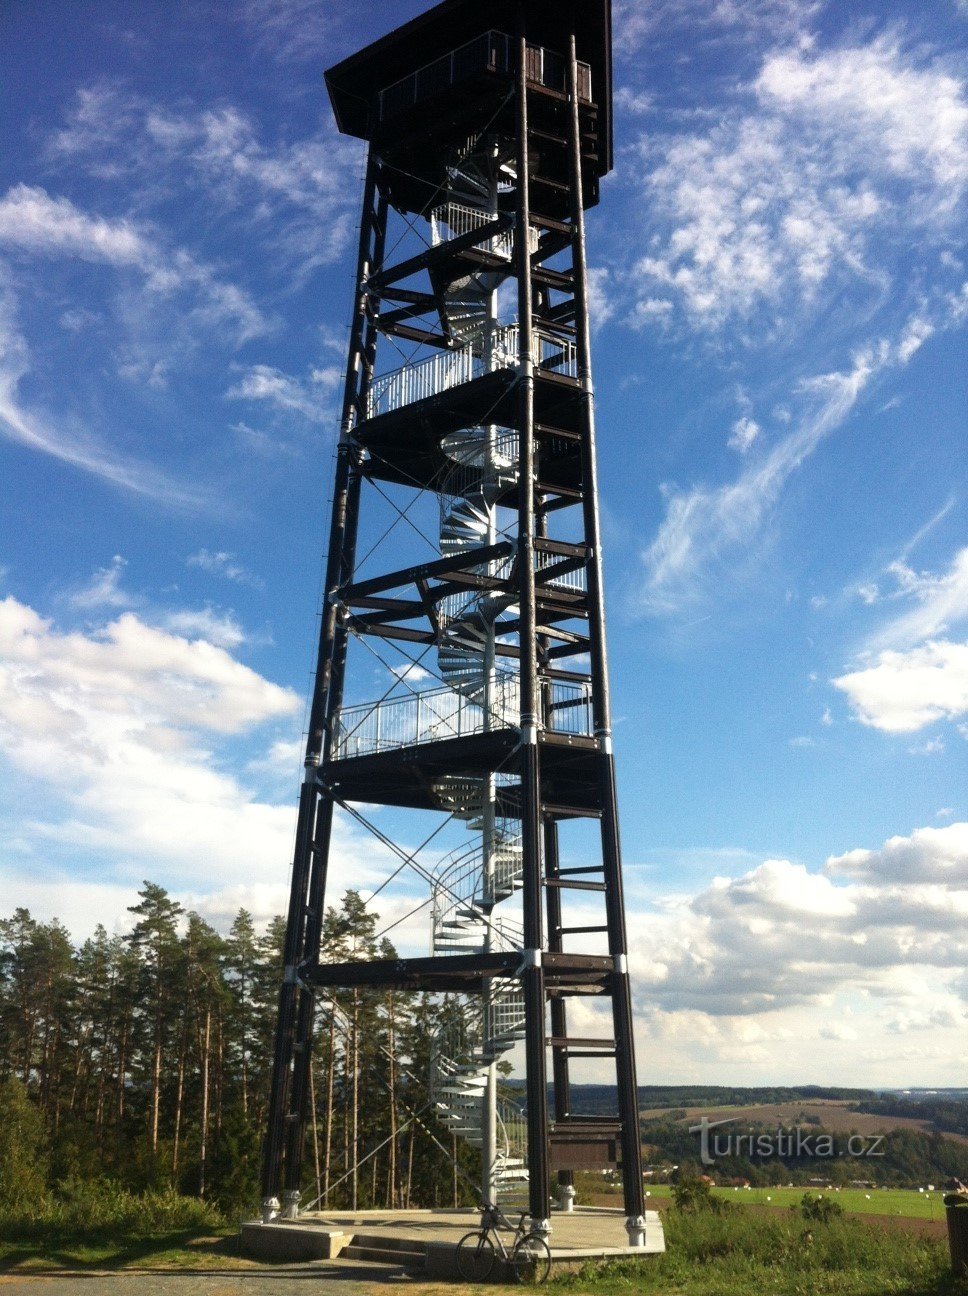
(34, 222)
(901, 692)
(296, 196)
(219, 628)
(293, 395)
(777, 201)
(931, 855)
(781, 938)
(743, 433)
(941, 603)
(104, 589)
(291, 31)
(920, 678)
(706, 526)
(635, 24)
(120, 720)
(62, 439)
(837, 1030)
(224, 565)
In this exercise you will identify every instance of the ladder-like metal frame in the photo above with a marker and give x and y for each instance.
(547, 973)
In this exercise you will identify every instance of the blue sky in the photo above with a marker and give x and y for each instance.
(781, 295)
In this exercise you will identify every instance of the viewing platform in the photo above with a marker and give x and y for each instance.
(425, 1242)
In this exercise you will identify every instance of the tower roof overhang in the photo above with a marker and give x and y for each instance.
(354, 84)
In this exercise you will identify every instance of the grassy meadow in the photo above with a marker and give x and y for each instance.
(739, 1252)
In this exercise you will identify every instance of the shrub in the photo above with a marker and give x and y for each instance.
(819, 1209)
(696, 1195)
(23, 1153)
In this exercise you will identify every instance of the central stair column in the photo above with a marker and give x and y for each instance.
(532, 970)
(489, 1184)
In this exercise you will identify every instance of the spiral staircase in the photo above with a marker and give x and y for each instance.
(472, 883)
(480, 692)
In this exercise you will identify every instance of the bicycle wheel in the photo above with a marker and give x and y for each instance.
(475, 1257)
(531, 1260)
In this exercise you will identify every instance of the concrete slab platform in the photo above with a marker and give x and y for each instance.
(426, 1241)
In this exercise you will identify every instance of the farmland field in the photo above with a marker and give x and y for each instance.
(833, 1115)
(905, 1202)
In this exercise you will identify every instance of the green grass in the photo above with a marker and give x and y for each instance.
(746, 1253)
(100, 1225)
(905, 1202)
(107, 1248)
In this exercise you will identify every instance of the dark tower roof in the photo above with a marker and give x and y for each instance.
(354, 84)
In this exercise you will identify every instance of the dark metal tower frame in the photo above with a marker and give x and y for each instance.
(527, 87)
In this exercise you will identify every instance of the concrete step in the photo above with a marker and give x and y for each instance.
(381, 1248)
(384, 1256)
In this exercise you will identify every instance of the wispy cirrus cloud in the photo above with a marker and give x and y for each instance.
(841, 159)
(38, 224)
(307, 396)
(62, 438)
(297, 197)
(937, 603)
(706, 527)
(225, 565)
(635, 23)
(291, 31)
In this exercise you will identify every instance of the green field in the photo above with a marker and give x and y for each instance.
(906, 1202)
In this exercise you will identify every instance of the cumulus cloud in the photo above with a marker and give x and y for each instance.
(781, 937)
(929, 855)
(120, 720)
(901, 692)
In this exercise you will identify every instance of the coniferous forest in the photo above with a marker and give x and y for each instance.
(144, 1060)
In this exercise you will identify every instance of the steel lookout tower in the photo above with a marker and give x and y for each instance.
(468, 400)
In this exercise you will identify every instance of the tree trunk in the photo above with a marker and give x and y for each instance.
(330, 1076)
(392, 1153)
(179, 1099)
(356, 1099)
(203, 1139)
(312, 1104)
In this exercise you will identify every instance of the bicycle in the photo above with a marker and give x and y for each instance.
(528, 1257)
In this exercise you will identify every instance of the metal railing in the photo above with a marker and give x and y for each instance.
(569, 709)
(454, 219)
(491, 52)
(437, 715)
(447, 369)
(466, 890)
(451, 220)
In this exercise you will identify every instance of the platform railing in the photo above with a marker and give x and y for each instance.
(436, 715)
(439, 373)
(491, 52)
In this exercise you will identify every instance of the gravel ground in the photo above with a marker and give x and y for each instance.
(345, 1279)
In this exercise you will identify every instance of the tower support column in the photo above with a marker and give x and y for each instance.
(628, 1105)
